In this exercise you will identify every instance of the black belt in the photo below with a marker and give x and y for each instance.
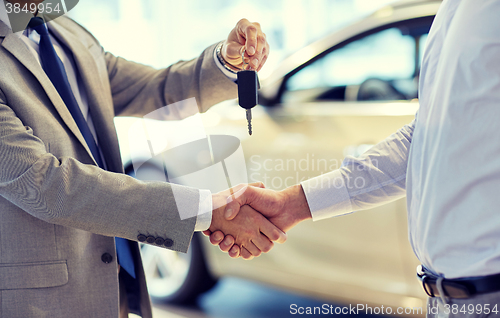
(459, 287)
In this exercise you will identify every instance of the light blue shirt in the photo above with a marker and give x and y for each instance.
(447, 161)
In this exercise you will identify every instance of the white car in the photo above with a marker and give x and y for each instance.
(335, 97)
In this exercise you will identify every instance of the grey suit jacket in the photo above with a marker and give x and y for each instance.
(58, 211)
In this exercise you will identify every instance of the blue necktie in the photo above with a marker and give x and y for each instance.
(54, 68)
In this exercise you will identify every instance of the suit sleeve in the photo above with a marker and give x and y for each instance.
(376, 177)
(138, 89)
(67, 192)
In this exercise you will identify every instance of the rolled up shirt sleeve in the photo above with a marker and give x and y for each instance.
(376, 177)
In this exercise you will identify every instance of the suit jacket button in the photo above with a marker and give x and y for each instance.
(159, 241)
(141, 238)
(106, 258)
(168, 242)
(151, 239)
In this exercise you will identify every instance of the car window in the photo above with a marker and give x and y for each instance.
(387, 57)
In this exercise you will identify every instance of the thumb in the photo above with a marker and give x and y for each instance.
(243, 195)
(238, 199)
(258, 184)
(232, 207)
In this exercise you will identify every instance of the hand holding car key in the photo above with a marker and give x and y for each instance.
(248, 84)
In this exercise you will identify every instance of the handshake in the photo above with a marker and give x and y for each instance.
(247, 219)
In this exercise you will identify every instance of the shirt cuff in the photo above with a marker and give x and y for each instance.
(204, 218)
(327, 195)
(232, 76)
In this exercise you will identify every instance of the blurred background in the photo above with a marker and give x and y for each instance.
(335, 87)
(174, 30)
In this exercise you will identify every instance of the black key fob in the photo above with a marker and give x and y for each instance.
(248, 85)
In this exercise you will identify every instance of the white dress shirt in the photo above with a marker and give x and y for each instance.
(32, 39)
(447, 160)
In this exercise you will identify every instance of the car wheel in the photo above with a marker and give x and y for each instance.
(174, 277)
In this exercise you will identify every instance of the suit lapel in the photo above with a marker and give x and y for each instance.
(100, 105)
(19, 50)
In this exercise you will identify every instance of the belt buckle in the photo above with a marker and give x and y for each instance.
(426, 286)
(451, 288)
(425, 281)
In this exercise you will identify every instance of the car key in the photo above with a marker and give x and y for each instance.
(248, 84)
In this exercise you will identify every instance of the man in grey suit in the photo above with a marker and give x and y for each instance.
(60, 211)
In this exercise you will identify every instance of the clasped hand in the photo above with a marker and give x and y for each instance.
(247, 36)
(247, 219)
